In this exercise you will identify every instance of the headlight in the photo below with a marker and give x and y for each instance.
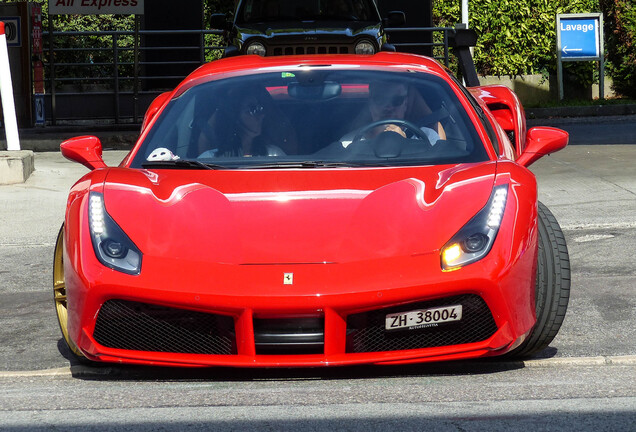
(475, 239)
(365, 47)
(256, 48)
(112, 246)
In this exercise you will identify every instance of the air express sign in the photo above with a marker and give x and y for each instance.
(96, 7)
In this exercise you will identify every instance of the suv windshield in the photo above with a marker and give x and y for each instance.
(313, 117)
(254, 11)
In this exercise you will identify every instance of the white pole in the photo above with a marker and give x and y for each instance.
(465, 12)
(6, 91)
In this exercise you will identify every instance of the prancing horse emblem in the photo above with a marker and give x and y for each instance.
(288, 278)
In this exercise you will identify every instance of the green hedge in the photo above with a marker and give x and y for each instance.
(620, 45)
(100, 60)
(516, 37)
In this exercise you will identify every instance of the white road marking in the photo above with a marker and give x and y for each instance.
(592, 237)
(604, 226)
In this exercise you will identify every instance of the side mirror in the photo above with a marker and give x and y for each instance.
(388, 47)
(86, 150)
(231, 51)
(541, 141)
(395, 19)
(218, 21)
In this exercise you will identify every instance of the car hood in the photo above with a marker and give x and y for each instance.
(295, 216)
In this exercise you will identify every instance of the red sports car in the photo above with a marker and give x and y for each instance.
(314, 211)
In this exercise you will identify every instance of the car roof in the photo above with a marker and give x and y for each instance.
(249, 63)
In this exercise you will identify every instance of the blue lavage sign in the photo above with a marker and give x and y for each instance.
(579, 38)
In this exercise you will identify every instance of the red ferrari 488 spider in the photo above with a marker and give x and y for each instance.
(314, 211)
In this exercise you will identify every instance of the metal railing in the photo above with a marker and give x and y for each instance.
(112, 76)
(113, 72)
(439, 47)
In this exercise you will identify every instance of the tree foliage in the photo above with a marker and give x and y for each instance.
(620, 36)
(218, 6)
(516, 37)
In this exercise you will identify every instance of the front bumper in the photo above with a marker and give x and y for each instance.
(333, 314)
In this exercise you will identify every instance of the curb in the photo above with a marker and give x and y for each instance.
(580, 120)
(581, 111)
(49, 139)
(628, 360)
(16, 166)
(63, 371)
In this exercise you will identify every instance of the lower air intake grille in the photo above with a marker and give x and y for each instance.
(366, 332)
(297, 335)
(145, 327)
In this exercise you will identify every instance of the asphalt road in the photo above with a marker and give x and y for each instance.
(478, 397)
(607, 130)
(583, 381)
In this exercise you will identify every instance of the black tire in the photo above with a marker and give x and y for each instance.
(552, 286)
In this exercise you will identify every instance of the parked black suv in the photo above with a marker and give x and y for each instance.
(286, 27)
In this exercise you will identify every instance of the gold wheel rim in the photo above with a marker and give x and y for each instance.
(59, 291)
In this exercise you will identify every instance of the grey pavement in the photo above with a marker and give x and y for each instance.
(411, 398)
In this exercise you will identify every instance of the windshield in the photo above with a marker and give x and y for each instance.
(254, 11)
(311, 117)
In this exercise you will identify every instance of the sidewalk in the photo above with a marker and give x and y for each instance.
(41, 139)
(17, 166)
(123, 137)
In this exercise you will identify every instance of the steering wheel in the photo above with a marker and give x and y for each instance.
(359, 134)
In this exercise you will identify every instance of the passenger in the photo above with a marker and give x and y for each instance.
(240, 128)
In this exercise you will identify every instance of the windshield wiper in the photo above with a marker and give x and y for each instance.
(304, 164)
(182, 164)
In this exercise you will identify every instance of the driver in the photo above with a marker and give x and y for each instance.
(389, 100)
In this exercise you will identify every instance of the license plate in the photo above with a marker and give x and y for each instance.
(423, 318)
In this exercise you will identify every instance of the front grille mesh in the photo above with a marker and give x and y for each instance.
(312, 49)
(366, 332)
(145, 327)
